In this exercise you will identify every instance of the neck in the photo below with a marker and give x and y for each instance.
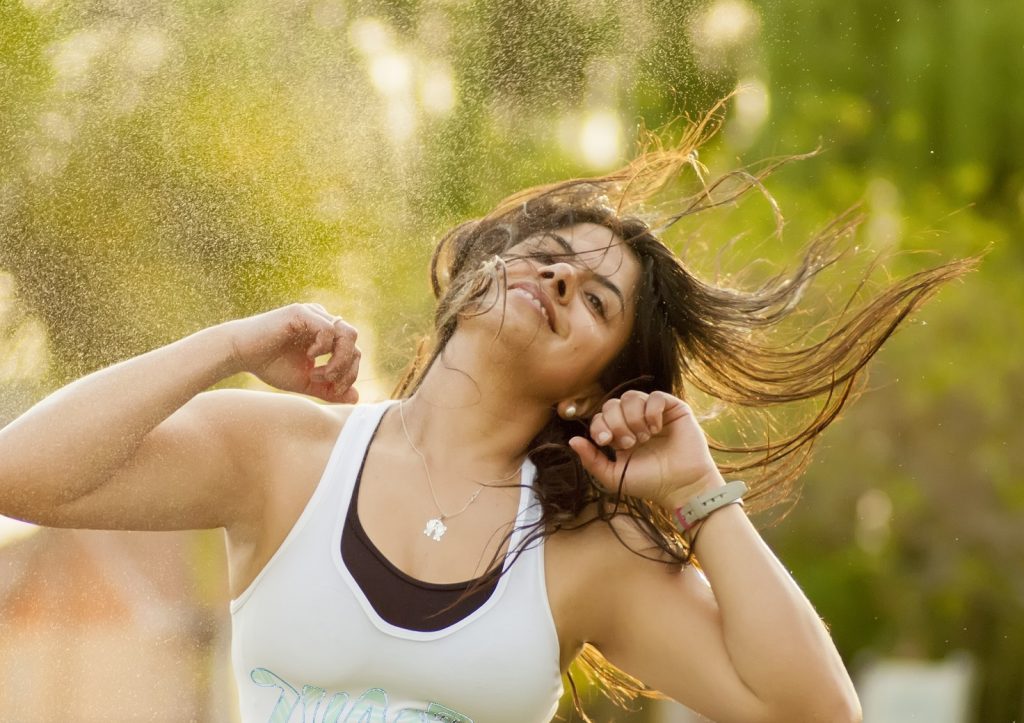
(476, 399)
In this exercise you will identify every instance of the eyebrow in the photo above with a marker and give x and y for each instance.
(601, 279)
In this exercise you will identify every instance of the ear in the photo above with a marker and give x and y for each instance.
(583, 404)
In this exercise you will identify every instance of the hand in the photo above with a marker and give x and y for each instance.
(280, 347)
(668, 455)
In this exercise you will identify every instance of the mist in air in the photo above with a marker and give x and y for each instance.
(166, 166)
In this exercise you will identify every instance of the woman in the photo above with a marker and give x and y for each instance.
(538, 489)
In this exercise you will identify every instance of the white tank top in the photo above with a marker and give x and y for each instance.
(308, 647)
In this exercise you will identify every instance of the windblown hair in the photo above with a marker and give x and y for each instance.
(689, 337)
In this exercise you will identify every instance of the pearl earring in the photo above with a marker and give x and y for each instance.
(570, 411)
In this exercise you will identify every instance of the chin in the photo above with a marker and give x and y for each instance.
(508, 339)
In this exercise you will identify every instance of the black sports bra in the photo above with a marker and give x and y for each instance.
(398, 598)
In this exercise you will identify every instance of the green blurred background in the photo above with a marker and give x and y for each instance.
(165, 166)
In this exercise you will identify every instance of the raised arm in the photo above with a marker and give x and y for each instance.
(748, 648)
(142, 424)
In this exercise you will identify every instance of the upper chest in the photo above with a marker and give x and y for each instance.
(394, 502)
(435, 525)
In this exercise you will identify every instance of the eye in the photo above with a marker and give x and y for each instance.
(595, 301)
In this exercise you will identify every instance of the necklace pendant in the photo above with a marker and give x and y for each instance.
(435, 529)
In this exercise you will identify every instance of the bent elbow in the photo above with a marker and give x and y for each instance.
(843, 707)
(852, 711)
(838, 707)
(847, 704)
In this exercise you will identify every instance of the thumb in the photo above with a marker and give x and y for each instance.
(331, 392)
(350, 396)
(593, 460)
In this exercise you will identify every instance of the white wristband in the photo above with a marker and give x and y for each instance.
(703, 505)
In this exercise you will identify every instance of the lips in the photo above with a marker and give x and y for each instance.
(538, 298)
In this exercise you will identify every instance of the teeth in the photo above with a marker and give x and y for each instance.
(534, 299)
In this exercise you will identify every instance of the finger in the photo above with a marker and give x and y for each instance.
(320, 311)
(323, 342)
(312, 316)
(654, 412)
(331, 392)
(599, 430)
(347, 376)
(349, 396)
(323, 390)
(594, 461)
(675, 409)
(622, 436)
(336, 338)
(343, 349)
(342, 368)
(308, 318)
(633, 407)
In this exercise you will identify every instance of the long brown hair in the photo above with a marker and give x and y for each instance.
(690, 336)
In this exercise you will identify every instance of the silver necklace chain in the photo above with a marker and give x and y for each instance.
(435, 527)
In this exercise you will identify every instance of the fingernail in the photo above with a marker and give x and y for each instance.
(628, 441)
(644, 438)
(604, 437)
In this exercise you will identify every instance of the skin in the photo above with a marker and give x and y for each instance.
(749, 647)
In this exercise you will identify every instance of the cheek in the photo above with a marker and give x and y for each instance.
(595, 351)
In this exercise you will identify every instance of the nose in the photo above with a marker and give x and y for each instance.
(561, 278)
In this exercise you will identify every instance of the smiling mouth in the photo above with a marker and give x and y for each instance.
(527, 294)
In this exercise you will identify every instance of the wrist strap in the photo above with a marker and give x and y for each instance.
(703, 505)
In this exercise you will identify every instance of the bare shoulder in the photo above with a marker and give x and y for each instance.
(254, 415)
(279, 436)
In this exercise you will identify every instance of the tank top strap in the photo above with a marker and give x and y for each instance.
(360, 426)
(351, 448)
(334, 488)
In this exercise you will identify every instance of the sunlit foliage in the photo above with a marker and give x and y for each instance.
(168, 165)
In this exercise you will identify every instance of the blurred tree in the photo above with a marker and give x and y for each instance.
(165, 166)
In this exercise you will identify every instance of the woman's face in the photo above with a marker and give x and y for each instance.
(569, 305)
